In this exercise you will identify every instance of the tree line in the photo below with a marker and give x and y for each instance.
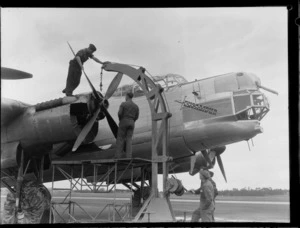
(253, 192)
(232, 192)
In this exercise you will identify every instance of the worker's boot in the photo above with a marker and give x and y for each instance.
(68, 94)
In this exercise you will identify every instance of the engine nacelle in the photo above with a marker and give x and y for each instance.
(52, 122)
(10, 153)
(196, 163)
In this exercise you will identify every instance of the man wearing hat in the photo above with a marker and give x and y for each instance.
(76, 67)
(128, 113)
(205, 211)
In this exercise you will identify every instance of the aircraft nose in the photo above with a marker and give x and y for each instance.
(258, 128)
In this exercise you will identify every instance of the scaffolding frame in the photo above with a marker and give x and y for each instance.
(117, 168)
(160, 141)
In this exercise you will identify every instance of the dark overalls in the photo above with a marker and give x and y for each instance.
(128, 114)
(206, 208)
(74, 73)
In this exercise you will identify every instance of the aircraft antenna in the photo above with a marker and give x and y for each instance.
(252, 142)
(248, 145)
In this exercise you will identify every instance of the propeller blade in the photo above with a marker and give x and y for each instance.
(205, 155)
(112, 124)
(85, 130)
(193, 169)
(113, 85)
(12, 74)
(220, 163)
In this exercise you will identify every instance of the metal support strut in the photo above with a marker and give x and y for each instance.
(159, 205)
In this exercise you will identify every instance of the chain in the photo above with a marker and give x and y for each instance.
(101, 74)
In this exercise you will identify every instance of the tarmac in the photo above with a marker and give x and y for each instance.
(228, 209)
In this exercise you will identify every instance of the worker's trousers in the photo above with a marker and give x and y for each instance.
(73, 79)
(125, 133)
(205, 215)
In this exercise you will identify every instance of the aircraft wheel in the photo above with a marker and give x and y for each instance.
(35, 205)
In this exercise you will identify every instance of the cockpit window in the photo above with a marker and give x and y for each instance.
(134, 88)
(241, 102)
(170, 80)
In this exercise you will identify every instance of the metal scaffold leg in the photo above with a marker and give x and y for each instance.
(116, 170)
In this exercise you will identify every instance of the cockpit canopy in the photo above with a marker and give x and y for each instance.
(170, 80)
(166, 81)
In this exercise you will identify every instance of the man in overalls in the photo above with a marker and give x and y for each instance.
(206, 209)
(76, 67)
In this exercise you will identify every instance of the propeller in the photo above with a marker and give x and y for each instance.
(196, 164)
(219, 151)
(12, 74)
(85, 130)
(101, 101)
(112, 124)
(113, 85)
(205, 155)
(220, 163)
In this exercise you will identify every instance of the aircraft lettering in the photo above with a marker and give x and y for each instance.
(198, 107)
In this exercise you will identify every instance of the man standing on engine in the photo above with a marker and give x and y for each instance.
(76, 68)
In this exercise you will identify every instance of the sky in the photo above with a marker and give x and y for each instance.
(192, 42)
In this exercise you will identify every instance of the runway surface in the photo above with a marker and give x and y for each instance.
(228, 209)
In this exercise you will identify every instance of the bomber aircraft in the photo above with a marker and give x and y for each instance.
(207, 115)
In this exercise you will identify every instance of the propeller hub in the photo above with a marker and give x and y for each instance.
(219, 150)
(105, 103)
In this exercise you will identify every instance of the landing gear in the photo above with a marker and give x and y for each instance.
(29, 201)
(19, 214)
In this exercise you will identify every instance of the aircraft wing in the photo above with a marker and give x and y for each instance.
(12, 74)
(11, 109)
